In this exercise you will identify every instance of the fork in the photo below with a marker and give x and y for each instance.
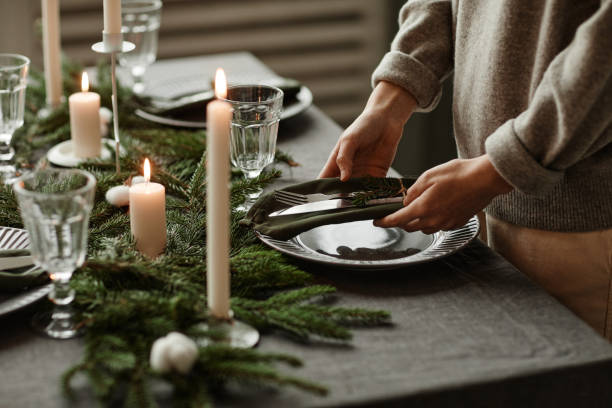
(289, 198)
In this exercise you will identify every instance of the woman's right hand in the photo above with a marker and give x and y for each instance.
(367, 147)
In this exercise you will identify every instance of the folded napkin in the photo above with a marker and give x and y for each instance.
(192, 108)
(13, 280)
(288, 226)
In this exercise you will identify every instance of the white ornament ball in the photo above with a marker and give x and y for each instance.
(105, 115)
(103, 129)
(119, 196)
(159, 356)
(138, 180)
(174, 351)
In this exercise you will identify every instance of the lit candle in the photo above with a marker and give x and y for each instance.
(148, 215)
(85, 121)
(218, 116)
(51, 52)
(112, 16)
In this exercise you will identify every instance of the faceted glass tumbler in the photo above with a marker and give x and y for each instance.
(55, 205)
(140, 21)
(256, 113)
(13, 82)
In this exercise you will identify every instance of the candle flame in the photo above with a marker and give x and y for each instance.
(147, 170)
(220, 84)
(85, 82)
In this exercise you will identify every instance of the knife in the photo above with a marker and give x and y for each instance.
(15, 262)
(331, 205)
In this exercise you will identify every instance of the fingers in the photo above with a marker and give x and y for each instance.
(330, 169)
(406, 216)
(344, 160)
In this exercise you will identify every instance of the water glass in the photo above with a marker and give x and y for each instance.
(13, 77)
(256, 113)
(55, 205)
(140, 25)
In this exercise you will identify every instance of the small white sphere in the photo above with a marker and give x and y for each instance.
(173, 351)
(105, 115)
(159, 355)
(119, 196)
(103, 129)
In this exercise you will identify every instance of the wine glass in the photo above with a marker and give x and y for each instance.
(140, 25)
(256, 113)
(13, 77)
(55, 206)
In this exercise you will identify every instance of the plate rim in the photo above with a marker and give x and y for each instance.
(23, 299)
(304, 97)
(445, 243)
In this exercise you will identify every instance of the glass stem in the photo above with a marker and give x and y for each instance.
(138, 77)
(61, 295)
(6, 151)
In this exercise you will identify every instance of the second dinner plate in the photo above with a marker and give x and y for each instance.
(302, 101)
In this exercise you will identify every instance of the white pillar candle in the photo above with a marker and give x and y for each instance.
(148, 215)
(85, 121)
(112, 16)
(218, 116)
(52, 52)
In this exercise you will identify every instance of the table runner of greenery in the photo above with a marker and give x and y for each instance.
(126, 301)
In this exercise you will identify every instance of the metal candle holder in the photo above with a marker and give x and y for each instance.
(232, 332)
(112, 44)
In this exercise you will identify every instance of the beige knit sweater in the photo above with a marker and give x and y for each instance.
(532, 88)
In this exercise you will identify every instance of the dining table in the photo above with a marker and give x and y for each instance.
(467, 330)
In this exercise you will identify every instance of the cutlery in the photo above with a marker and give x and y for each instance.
(15, 262)
(289, 198)
(331, 205)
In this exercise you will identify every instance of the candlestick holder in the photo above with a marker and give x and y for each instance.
(232, 332)
(113, 44)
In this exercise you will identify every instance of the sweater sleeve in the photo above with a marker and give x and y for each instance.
(569, 117)
(421, 53)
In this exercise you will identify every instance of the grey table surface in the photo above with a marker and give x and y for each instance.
(468, 330)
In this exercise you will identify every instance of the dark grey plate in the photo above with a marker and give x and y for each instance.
(361, 245)
(13, 238)
(302, 102)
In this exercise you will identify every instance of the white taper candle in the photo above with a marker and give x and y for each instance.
(218, 116)
(52, 52)
(112, 16)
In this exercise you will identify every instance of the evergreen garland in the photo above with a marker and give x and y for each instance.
(126, 301)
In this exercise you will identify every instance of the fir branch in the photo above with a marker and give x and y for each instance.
(126, 301)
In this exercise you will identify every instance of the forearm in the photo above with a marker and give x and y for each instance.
(392, 101)
(568, 118)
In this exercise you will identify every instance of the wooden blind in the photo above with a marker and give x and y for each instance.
(331, 46)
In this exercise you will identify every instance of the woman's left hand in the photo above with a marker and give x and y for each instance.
(446, 196)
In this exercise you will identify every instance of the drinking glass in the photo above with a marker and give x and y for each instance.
(13, 77)
(55, 206)
(140, 25)
(256, 112)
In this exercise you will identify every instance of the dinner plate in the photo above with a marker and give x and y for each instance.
(362, 245)
(303, 100)
(13, 238)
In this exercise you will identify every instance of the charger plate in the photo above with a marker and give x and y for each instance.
(14, 238)
(361, 245)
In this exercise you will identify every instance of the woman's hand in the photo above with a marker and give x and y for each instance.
(447, 196)
(367, 147)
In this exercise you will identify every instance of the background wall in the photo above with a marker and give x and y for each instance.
(332, 46)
